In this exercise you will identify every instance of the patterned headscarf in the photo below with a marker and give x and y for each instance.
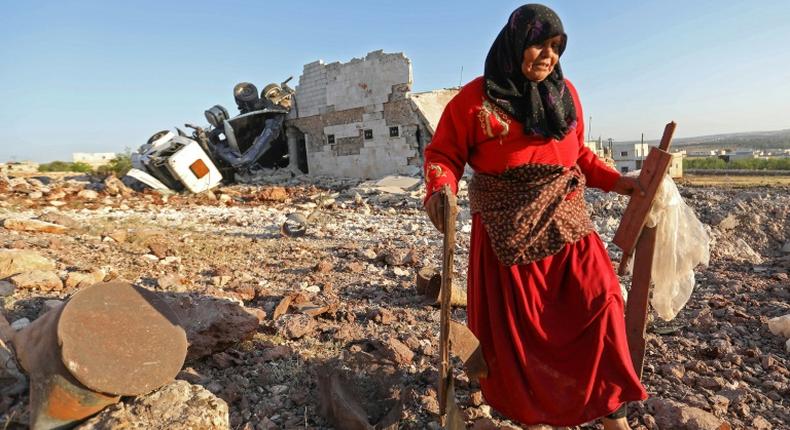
(545, 108)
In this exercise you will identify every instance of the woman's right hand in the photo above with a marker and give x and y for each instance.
(435, 209)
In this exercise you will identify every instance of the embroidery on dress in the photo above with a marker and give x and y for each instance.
(493, 120)
(435, 172)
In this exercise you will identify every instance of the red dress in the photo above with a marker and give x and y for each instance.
(552, 331)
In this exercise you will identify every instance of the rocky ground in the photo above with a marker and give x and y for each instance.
(333, 314)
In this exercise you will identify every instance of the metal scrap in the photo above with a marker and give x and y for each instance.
(248, 142)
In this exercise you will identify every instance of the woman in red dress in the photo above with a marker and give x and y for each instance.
(543, 298)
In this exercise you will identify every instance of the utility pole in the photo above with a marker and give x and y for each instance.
(589, 129)
(461, 79)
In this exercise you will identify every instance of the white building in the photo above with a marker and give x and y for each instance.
(630, 156)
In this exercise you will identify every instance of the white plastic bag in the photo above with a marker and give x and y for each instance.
(681, 244)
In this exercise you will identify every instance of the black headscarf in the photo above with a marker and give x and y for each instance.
(545, 108)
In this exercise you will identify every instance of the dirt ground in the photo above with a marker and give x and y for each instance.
(358, 259)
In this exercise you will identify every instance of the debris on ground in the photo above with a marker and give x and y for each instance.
(265, 313)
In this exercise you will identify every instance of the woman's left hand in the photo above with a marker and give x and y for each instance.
(628, 185)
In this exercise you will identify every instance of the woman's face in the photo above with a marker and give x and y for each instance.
(540, 59)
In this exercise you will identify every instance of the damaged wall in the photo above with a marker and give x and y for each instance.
(358, 118)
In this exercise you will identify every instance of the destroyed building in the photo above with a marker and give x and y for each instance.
(360, 118)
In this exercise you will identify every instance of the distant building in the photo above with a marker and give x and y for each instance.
(94, 159)
(630, 156)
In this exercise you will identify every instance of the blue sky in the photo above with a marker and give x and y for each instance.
(101, 76)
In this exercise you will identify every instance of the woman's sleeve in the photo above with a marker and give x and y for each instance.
(598, 174)
(448, 152)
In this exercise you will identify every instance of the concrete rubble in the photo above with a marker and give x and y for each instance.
(265, 313)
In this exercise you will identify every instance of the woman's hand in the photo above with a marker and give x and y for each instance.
(435, 209)
(628, 185)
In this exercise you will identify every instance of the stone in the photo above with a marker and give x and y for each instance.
(323, 266)
(172, 282)
(33, 225)
(20, 324)
(6, 288)
(295, 326)
(159, 249)
(212, 324)
(355, 267)
(675, 415)
(12, 381)
(382, 316)
(276, 194)
(44, 280)
(676, 370)
(276, 352)
(88, 195)
(224, 198)
(729, 222)
(84, 279)
(113, 186)
(780, 326)
(760, 423)
(119, 235)
(13, 261)
(58, 218)
(397, 351)
(176, 406)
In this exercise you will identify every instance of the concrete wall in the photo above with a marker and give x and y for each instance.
(337, 103)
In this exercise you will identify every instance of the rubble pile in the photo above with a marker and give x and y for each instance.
(278, 325)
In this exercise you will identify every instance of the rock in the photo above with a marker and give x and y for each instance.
(13, 261)
(275, 353)
(780, 326)
(172, 282)
(44, 280)
(355, 267)
(6, 288)
(224, 198)
(275, 194)
(760, 423)
(20, 324)
(33, 225)
(212, 324)
(160, 250)
(84, 279)
(12, 381)
(295, 326)
(397, 351)
(59, 218)
(719, 404)
(675, 415)
(113, 186)
(323, 267)
(119, 235)
(382, 316)
(176, 406)
(88, 195)
(676, 370)
(728, 223)
(487, 424)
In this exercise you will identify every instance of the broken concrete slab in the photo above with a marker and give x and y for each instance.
(44, 280)
(13, 261)
(84, 279)
(32, 225)
(176, 406)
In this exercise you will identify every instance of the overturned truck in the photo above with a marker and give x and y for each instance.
(252, 140)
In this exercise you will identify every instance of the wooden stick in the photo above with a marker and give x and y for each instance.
(445, 372)
(636, 307)
(653, 170)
